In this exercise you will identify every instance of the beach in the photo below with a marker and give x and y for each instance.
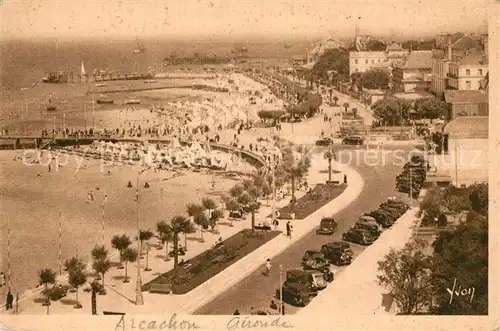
(37, 202)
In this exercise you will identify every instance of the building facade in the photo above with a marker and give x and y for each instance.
(365, 61)
(466, 103)
(456, 52)
(468, 72)
(415, 74)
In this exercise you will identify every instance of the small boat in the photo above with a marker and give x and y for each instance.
(51, 108)
(132, 102)
(140, 49)
(101, 101)
(100, 85)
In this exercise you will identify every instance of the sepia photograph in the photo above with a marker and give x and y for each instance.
(207, 159)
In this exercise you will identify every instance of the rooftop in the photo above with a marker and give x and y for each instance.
(474, 59)
(466, 96)
(413, 96)
(468, 127)
(419, 60)
(466, 42)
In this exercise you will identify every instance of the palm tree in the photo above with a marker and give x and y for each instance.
(129, 255)
(76, 279)
(194, 210)
(335, 100)
(345, 105)
(232, 205)
(180, 224)
(74, 264)
(145, 236)
(209, 205)
(101, 267)
(247, 195)
(47, 276)
(295, 164)
(99, 253)
(96, 288)
(201, 220)
(165, 234)
(120, 243)
(330, 156)
(216, 215)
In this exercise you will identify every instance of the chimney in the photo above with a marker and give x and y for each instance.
(448, 42)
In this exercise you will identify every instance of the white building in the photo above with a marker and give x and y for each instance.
(468, 72)
(466, 161)
(365, 61)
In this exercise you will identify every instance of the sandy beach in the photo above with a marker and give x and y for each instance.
(35, 200)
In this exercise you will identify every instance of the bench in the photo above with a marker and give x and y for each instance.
(161, 288)
(104, 312)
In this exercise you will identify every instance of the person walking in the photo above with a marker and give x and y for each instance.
(345, 179)
(10, 300)
(236, 312)
(288, 230)
(268, 267)
(282, 309)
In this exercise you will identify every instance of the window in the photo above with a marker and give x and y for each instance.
(378, 60)
(355, 61)
(480, 72)
(366, 61)
(467, 72)
(373, 61)
(356, 70)
(467, 85)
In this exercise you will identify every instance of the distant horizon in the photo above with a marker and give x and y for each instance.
(238, 19)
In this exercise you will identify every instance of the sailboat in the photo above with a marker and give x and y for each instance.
(140, 48)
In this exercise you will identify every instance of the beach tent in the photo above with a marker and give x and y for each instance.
(176, 143)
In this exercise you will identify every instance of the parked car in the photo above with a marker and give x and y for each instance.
(353, 140)
(314, 260)
(382, 219)
(324, 142)
(327, 226)
(372, 229)
(314, 280)
(358, 236)
(295, 293)
(369, 220)
(399, 201)
(395, 214)
(337, 252)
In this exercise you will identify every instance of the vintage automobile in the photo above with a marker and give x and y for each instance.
(382, 219)
(324, 142)
(337, 252)
(314, 280)
(373, 229)
(353, 140)
(358, 236)
(236, 213)
(327, 226)
(295, 293)
(314, 260)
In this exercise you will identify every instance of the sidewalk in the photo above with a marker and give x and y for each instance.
(356, 290)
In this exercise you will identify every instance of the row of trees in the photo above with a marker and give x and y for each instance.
(371, 79)
(393, 111)
(420, 283)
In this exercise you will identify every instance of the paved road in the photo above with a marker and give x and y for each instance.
(258, 291)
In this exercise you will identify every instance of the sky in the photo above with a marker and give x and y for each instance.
(220, 18)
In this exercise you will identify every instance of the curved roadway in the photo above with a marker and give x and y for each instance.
(257, 291)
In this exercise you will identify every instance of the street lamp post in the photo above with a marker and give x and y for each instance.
(104, 200)
(8, 254)
(60, 243)
(139, 301)
(54, 126)
(64, 125)
(281, 290)
(274, 189)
